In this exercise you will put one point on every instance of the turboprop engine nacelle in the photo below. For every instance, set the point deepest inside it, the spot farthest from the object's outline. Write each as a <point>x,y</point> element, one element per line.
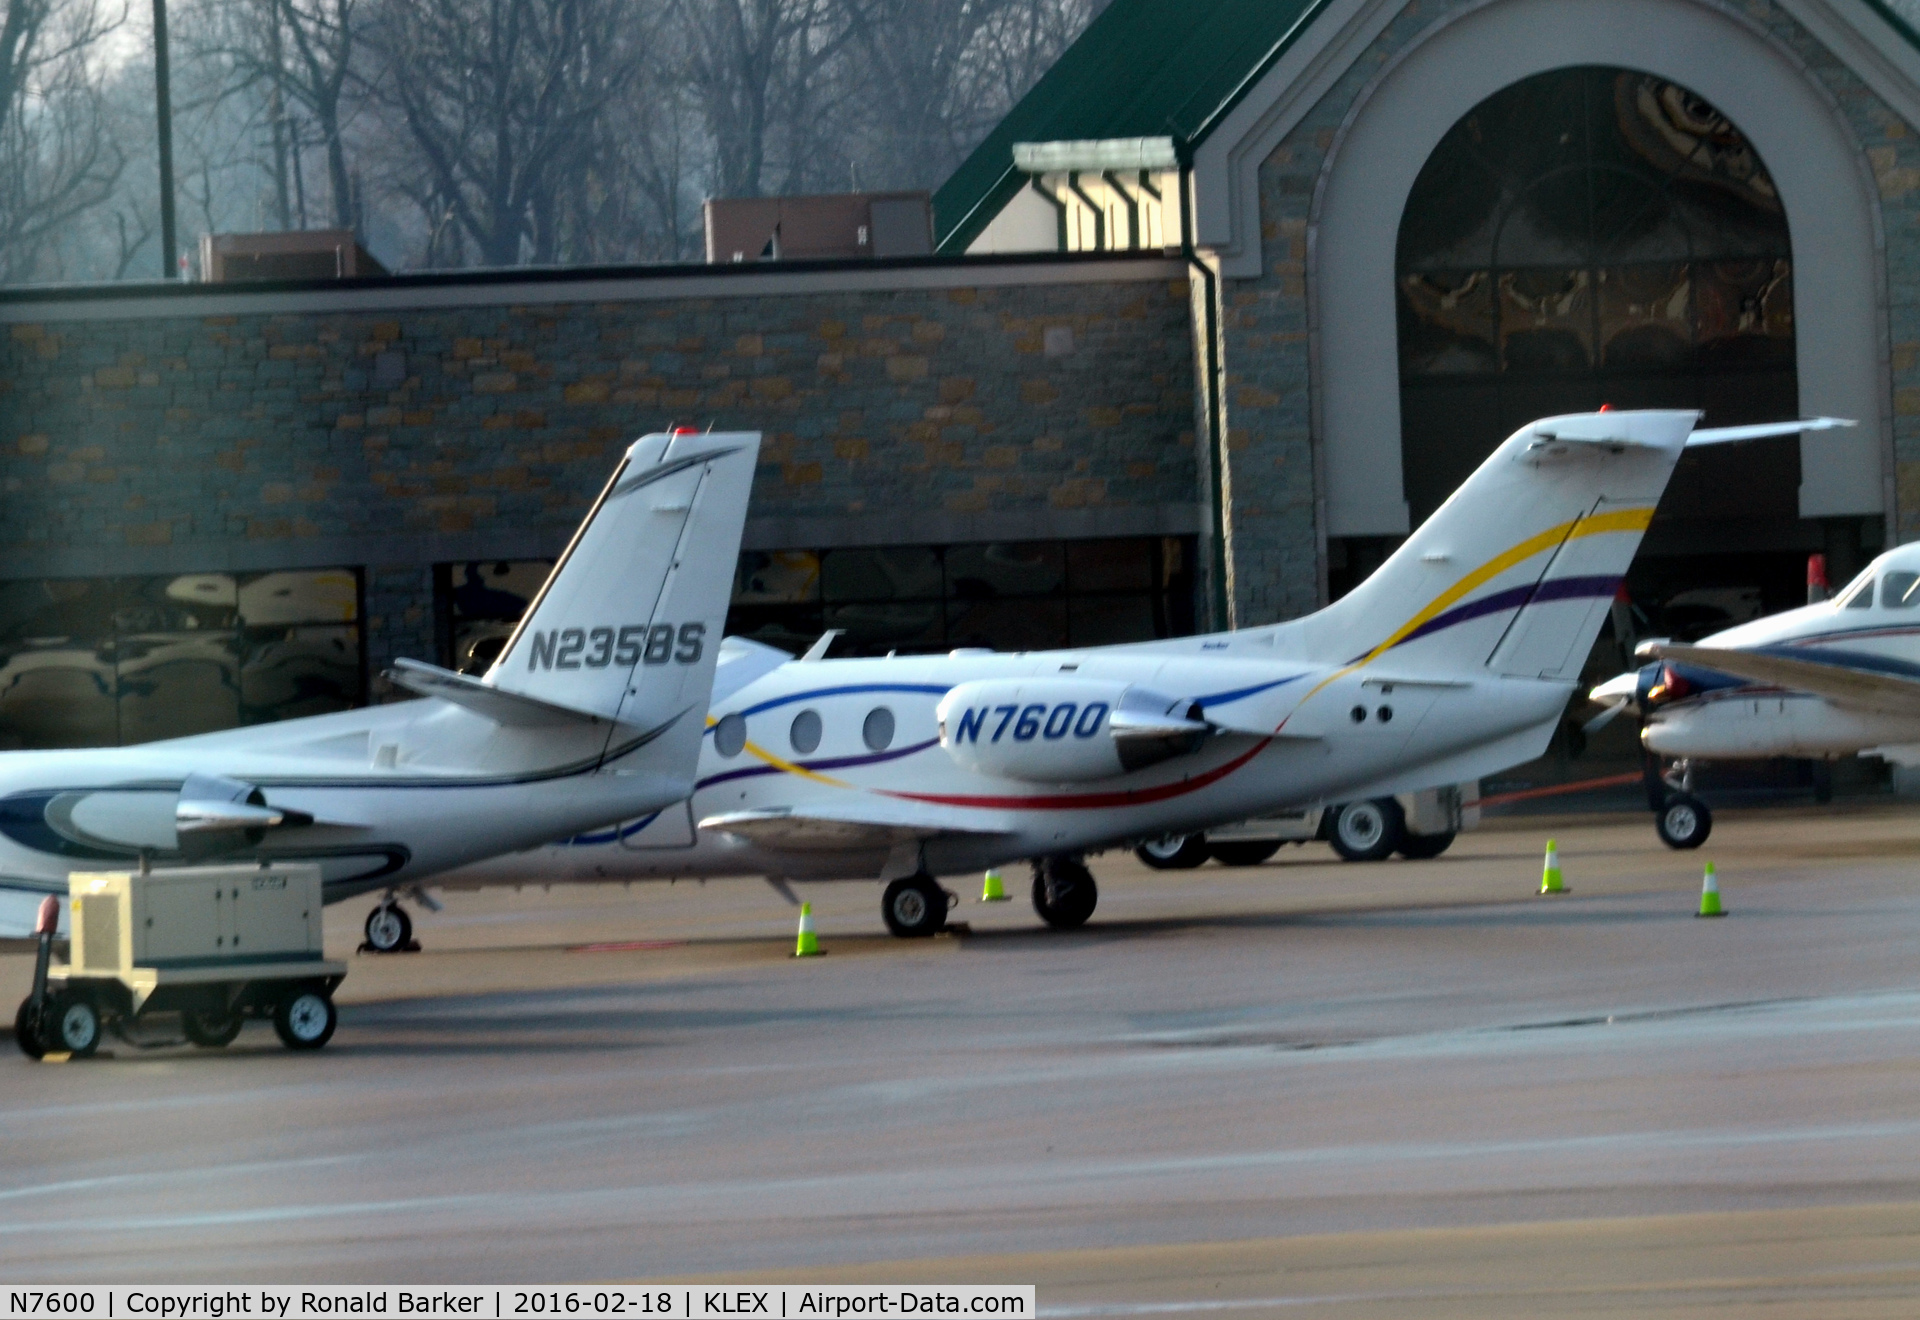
<point>1064,730</point>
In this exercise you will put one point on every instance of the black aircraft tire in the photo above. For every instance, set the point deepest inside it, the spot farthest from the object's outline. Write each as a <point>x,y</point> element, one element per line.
<point>1423,847</point>
<point>1249,853</point>
<point>1367,831</point>
<point>1175,852</point>
<point>389,928</point>
<point>1683,822</point>
<point>1064,893</point>
<point>914,907</point>
<point>210,1031</point>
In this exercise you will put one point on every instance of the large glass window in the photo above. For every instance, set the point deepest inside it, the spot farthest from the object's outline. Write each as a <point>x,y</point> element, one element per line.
<point>1011,596</point>
<point>1593,236</point>
<point>98,662</point>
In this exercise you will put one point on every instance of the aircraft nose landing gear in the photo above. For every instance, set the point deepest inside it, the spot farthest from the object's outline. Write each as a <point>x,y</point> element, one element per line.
<point>390,930</point>
<point>1679,818</point>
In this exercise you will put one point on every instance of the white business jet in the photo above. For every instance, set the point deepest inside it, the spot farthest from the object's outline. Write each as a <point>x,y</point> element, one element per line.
<point>1454,660</point>
<point>1833,679</point>
<point>594,714</point>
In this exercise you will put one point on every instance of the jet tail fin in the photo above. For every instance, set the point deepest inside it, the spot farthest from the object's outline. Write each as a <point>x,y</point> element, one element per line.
<point>1515,572</point>
<point>628,625</point>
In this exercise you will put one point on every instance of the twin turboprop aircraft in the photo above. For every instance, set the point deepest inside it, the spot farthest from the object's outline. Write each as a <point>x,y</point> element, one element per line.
<point>1454,660</point>
<point>593,714</point>
<point>1832,679</point>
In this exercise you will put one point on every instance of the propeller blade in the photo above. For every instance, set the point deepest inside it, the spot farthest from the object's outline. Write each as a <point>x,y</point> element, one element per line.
<point>1604,718</point>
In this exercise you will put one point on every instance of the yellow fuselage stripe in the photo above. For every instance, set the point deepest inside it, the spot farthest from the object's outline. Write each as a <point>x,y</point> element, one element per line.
<point>1614,520</point>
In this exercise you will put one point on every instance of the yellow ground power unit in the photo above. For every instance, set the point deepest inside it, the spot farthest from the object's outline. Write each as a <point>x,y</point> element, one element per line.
<point>206,946</point>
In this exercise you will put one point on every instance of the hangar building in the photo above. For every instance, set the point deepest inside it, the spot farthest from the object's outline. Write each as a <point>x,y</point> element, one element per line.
<point>1229,301</point>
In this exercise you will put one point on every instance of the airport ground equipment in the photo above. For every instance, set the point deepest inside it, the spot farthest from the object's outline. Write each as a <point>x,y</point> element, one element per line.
<point>807,945</point>
<point>1710,895</point>
<point>1550,881</point>
<point>196,949</point>
<point>1415,825</point>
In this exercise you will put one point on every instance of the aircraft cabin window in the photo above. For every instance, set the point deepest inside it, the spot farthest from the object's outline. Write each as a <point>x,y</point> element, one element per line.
<point>805,733</point>
<point>1899,591</point>
<point>730,735</point>
<point>1861,598</point>
<point>878,730</point>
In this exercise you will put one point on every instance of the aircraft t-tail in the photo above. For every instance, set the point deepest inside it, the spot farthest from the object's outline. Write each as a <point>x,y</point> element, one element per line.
<point>1454,660</point>
<point>593,714</point>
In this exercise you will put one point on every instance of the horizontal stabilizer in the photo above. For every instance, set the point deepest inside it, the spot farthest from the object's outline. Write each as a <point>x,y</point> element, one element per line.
<point>743,661</point>
<point>1832,679</point>
<point>1727,435</point>
<point>514,709</point>
<point>869,827</point>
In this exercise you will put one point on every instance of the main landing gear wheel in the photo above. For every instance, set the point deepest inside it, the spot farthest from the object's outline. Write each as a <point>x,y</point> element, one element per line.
<point>1683,822</point>
<point>210,1031</point>
<point>389,929</point>
<point>1063,892</point>
<point>26,1030</point>
<point>915,907</point>
<point>305,1021</point>
<point>1173,852</point>
<point>1420,847</point>
<point>72,1024</point>
<point>1250,853</point>
<point>1368,831</point>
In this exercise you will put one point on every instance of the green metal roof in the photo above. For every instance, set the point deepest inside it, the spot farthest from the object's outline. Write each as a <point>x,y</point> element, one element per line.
<point>1150,68</point>
<point>1144,68</point>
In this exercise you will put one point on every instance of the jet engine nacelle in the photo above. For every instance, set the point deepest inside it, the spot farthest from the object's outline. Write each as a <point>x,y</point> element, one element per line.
<point>214,814</point>
<point>1064,730</point>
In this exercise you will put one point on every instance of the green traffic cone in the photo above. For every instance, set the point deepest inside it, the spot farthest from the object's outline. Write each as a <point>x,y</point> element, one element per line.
<point>1710,895</point>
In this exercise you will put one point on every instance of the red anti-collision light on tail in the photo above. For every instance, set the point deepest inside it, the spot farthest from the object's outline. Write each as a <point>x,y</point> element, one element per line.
<point>49,920</point>
<point>686,430</point>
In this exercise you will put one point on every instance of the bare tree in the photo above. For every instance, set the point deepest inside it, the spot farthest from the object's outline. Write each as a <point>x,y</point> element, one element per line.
<point>58,156</point>
<point>500,99</point>
<point>298,59</point>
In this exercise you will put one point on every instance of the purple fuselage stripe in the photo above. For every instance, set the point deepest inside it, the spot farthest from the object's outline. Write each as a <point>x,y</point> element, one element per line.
<point>1513,598</point>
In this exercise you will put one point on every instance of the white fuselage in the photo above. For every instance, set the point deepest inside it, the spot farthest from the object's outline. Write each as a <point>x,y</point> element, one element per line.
<point>1435,733</point>
<point>397,793</point>
<point>1749,720</point>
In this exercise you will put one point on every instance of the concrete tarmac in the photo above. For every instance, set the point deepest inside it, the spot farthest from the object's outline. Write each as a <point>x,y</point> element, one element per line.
<point>1399,1089</point>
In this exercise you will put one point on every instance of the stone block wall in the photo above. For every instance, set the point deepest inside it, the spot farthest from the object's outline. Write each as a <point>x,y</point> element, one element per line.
<point>221,430</point>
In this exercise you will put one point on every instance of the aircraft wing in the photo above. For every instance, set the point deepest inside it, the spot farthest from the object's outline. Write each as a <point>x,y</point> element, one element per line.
<point>1839,679</point>
<point>866,825</point>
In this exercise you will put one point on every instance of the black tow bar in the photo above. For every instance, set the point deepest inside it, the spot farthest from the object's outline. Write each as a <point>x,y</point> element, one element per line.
<point>44,927</point>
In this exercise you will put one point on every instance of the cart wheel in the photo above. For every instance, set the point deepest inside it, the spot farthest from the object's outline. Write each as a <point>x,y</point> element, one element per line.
<point>26,1030</point>
<point>306,1020</point>
<point>72,1024</point>
<point>211,1031</point>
